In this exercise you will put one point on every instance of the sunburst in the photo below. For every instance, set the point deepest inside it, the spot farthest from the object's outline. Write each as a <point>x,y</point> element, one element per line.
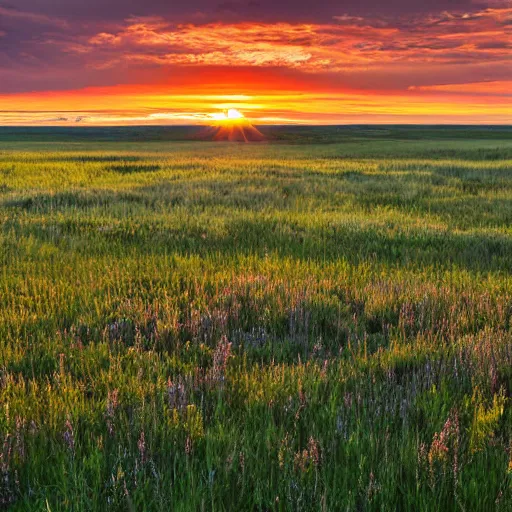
<point>231,125</point>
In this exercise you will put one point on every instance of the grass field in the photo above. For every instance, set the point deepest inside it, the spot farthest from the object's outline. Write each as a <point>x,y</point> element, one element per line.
<point>196,326</point>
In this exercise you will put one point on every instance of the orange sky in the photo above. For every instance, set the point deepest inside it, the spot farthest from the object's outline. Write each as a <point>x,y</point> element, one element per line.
<point>447,67</point>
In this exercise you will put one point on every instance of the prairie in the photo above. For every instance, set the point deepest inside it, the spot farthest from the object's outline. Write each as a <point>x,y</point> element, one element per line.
<point>320,322</point>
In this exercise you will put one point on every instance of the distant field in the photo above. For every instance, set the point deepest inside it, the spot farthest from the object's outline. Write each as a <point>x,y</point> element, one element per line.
<point>288,134</point>
<point>319,322</point>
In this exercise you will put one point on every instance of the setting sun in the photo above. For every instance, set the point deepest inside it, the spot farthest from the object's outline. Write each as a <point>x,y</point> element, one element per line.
<point>233,113</point>
<point>230,115</point>
<point>231,125</point>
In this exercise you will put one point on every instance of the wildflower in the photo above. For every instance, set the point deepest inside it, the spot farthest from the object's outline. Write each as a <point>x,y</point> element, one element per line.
<point>300,461</point>
<point>283,450</point>
<point>314,451</point>
<point>141,444</point>
<point>61,364</point>
<point>112,403</point>
<point>373,487</point>
<point>323,372</point>
<point>318,349</point>
<point>176,395</point>
<point>188,445</point>
<point>220,358</point>
<point>309,457</point>
<point>19,438</point>
<point>438,449</point>
<point>302,395</point>
<point>485,420</point>
<point>69,436</point>
<point>445,447</point>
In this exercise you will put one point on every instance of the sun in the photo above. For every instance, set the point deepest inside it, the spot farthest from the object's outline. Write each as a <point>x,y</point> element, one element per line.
<point>231,125</point>
<point>231,115</point>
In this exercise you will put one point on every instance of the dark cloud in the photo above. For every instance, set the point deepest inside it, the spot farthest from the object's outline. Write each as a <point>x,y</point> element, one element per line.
<point>263,10</point>
<point>494,45</point>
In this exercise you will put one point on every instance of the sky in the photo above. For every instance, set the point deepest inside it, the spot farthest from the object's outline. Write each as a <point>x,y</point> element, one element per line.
<point>135,62</point>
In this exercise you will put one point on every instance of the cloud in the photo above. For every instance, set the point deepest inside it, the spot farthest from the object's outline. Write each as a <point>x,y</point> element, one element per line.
<point>241,10</point>
<point>347,43</point>
<point>495,88</point>
<point>41,19</point>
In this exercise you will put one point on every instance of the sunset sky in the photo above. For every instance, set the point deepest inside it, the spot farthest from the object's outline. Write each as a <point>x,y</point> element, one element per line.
<point>112,62</point>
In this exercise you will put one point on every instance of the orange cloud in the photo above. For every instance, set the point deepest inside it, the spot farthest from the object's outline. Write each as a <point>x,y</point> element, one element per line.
<point>348,43</point>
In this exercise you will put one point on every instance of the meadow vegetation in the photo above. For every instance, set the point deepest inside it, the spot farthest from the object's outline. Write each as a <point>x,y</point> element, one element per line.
<point>214,326</point>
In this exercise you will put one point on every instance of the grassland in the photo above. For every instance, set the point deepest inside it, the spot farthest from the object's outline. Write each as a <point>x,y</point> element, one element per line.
<point>200,326</point>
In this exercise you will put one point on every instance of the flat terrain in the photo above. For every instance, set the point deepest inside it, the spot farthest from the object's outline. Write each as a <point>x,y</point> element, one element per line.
<point>321,322</point>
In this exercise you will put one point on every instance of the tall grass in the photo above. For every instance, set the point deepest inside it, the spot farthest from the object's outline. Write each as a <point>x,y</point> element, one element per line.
<point>279,327</point>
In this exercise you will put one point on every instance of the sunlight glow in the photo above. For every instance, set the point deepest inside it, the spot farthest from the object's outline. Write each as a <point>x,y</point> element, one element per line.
<point>231,114</point>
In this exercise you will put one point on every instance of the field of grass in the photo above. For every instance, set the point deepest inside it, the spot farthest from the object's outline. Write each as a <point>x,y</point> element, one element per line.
<point>196,326</point>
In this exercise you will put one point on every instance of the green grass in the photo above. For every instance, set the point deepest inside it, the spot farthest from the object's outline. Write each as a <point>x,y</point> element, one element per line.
<point>195,326</point>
